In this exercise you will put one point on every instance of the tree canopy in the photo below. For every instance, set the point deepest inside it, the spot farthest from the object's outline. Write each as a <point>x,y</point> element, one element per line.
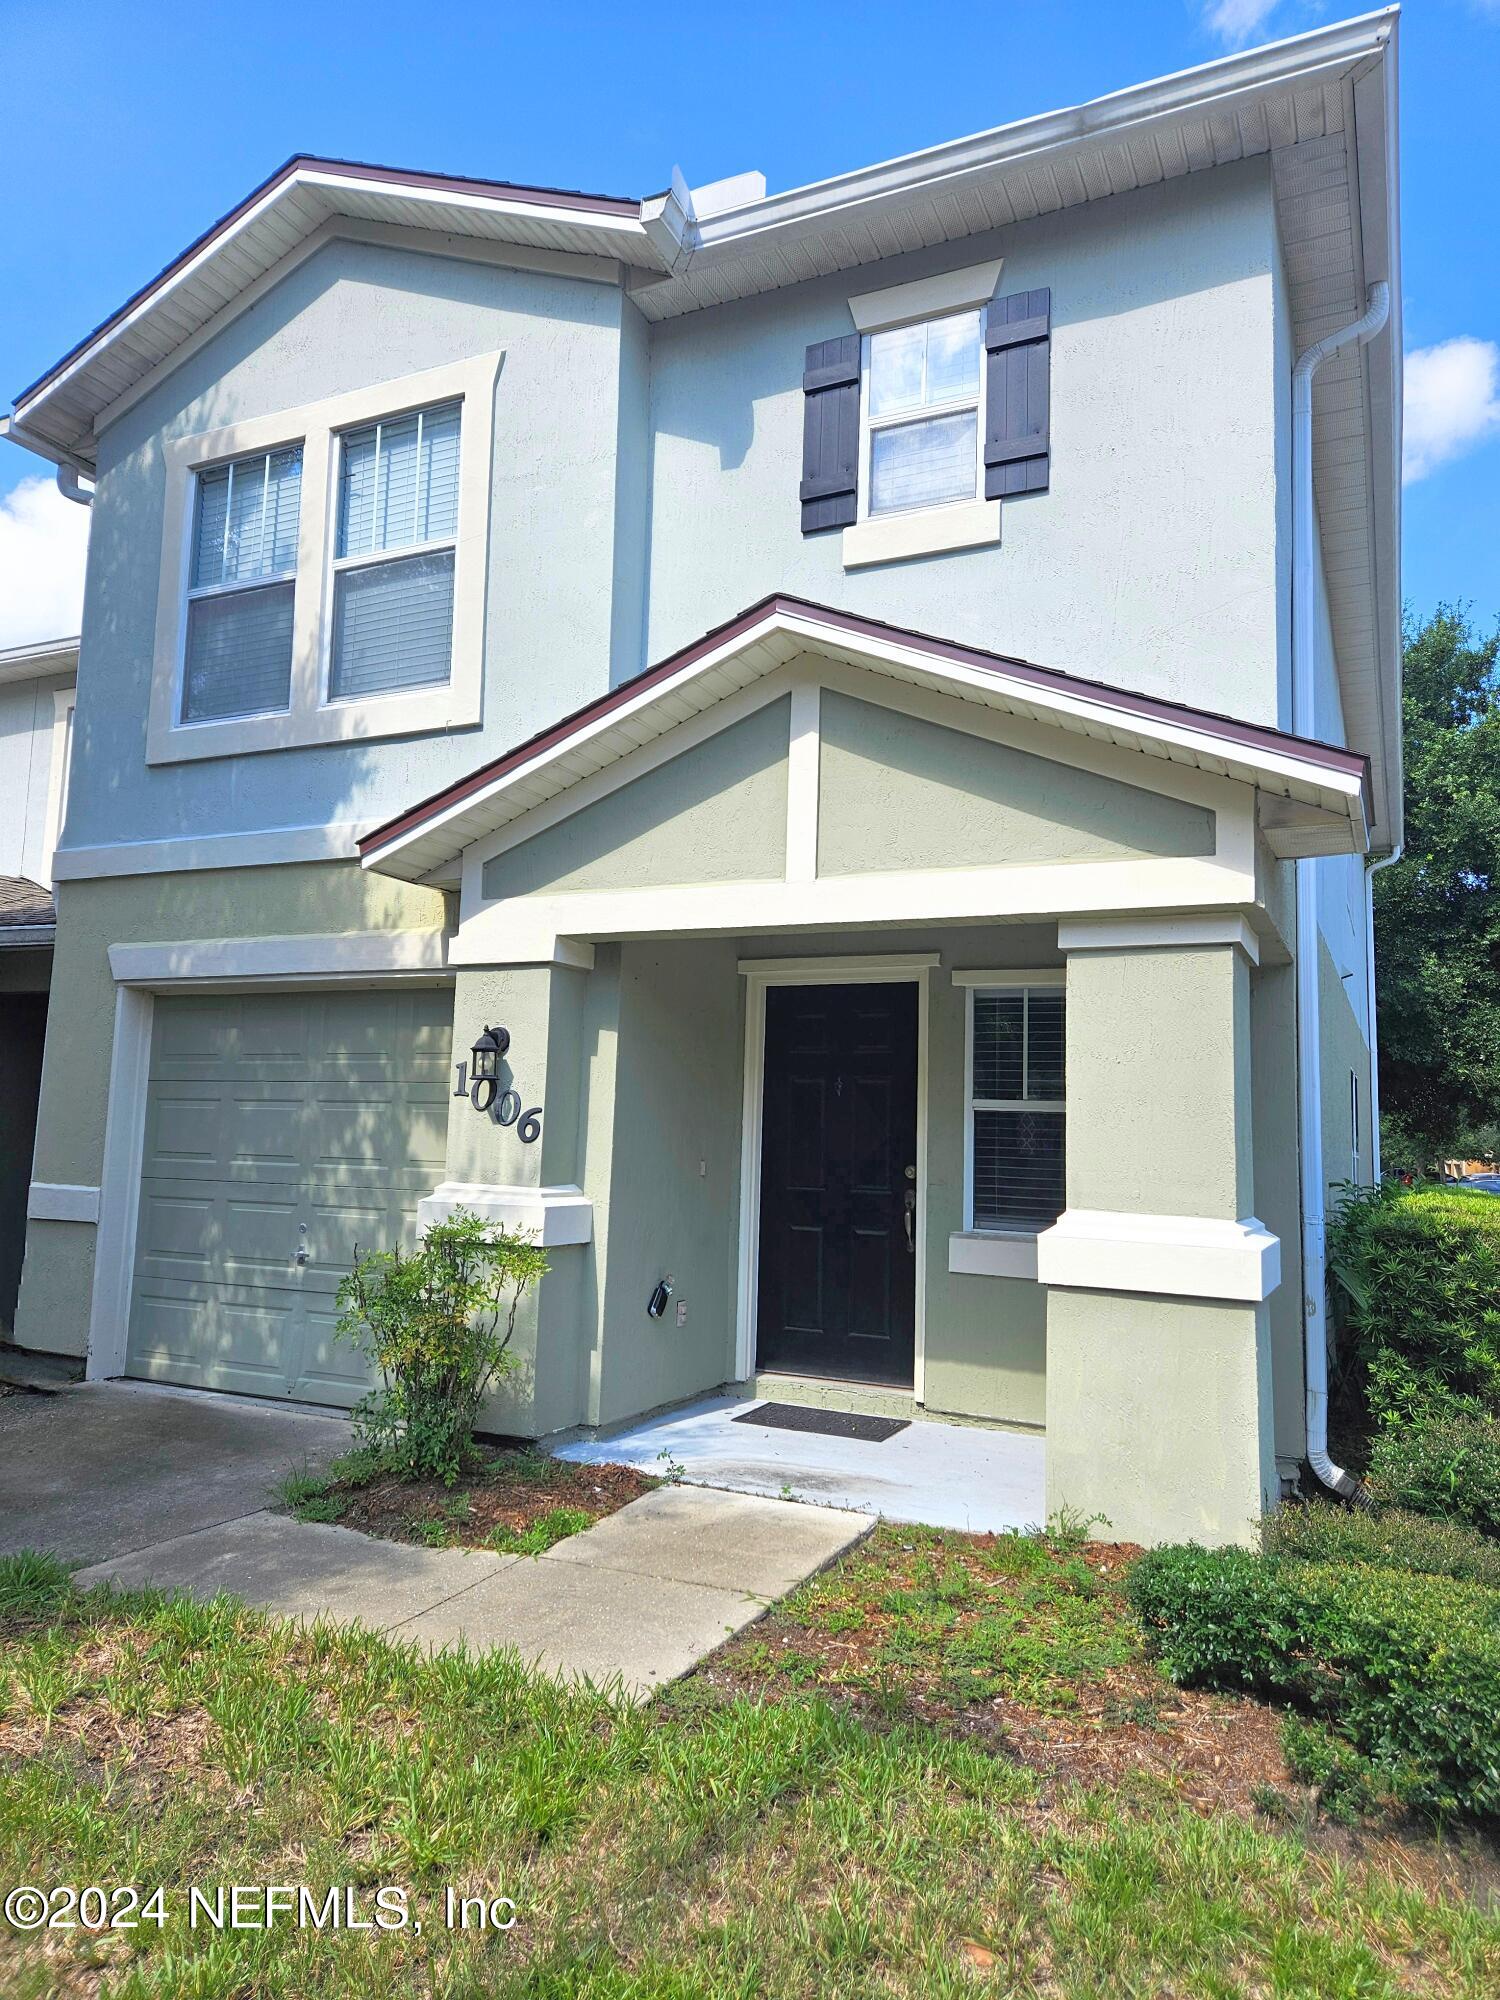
<point>1437,911</point>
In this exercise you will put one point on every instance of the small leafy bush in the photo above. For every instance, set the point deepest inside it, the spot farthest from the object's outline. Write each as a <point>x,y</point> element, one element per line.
<point>1348,1785</point>
<point>438,1323</point>
<point>1417,1284</point>
<point>1406,1668</point>
<point>1322,1532</point>
<point>1444,1466</point>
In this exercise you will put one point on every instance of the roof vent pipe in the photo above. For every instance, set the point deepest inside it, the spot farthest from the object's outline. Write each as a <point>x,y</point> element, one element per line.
<point>1309,1023</point>
<point>69,488</point>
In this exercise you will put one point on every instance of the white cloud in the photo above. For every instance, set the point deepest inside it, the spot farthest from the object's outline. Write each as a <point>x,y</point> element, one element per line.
<point>1237,22</point>
<point>43,538</point>
<point>1452,402</point>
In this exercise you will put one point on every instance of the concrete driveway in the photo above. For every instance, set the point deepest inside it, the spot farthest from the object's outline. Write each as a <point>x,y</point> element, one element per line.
<point>102,1469</point>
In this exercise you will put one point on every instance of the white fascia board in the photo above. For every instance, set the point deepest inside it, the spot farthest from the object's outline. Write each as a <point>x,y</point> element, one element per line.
<point>275,846</point>
<point>329,955</point>
<point>40,662</point>
<point>1196,92</point>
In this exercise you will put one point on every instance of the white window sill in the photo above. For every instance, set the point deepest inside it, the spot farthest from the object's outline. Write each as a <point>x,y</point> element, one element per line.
<point>992,1253</point>
<point>926,531</point>
<point>404,712</point>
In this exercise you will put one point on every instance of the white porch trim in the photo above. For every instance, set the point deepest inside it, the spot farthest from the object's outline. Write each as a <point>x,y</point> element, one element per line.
<point>1186,1256</point>
<point>554,1216</point>
<point>1167,933</point>
<point>61,1201</point>
<point>120,1182</point>
<point>318,955</point>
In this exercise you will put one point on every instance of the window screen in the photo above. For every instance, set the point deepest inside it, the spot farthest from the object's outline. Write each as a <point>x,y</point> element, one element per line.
<point>239,627</point>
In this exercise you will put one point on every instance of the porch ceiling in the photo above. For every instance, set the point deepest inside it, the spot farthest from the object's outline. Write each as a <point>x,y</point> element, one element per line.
<point>1321,785</point>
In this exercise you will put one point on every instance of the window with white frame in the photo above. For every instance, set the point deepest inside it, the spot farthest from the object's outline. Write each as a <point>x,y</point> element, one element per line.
<point>394,555</point>
<point>921,415</point>
<point>1017,1107</point>
<point>241,587</point>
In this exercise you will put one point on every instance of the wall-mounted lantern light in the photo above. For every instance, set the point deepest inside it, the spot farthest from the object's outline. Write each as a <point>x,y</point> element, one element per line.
<point>487,1053</point>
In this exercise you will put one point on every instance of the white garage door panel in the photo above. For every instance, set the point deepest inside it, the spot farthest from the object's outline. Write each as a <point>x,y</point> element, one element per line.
<point>276,1121</point>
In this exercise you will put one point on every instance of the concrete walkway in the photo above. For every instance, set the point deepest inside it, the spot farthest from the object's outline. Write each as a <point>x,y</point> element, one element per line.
<point>637,1599</point>
<point>946,1475</point>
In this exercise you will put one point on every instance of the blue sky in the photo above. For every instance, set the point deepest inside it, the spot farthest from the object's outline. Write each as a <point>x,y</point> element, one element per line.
<point>128,128</point>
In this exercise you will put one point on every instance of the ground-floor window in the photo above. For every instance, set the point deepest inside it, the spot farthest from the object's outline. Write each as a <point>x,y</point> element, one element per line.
<point>1017,1107</point>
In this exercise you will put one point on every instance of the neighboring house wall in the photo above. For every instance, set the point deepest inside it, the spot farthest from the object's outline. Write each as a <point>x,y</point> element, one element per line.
<point>31,718</point>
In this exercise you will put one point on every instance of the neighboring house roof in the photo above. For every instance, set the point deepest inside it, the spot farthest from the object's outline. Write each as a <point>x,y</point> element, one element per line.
<point>425,842</point>
<point>28,914</point>
<point>43,657</point>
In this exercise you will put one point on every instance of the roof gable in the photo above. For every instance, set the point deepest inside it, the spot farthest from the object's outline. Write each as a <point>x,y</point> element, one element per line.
<point>1307,778</point>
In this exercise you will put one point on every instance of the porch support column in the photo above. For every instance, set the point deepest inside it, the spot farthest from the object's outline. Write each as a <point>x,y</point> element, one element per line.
<point>529,1187</point>
<point>1158,1352</point>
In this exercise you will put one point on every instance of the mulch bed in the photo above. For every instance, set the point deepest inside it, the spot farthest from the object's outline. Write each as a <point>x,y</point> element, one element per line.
<point>506,1490</point>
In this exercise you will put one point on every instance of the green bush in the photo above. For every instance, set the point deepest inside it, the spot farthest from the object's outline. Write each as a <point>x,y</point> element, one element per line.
<point>1444,1466</point>
<point>1321,1532</point>
<point>1348,1785</point>
<point>1406,1668</point>
<point>438,1324</point>
<point>1417,1277</point>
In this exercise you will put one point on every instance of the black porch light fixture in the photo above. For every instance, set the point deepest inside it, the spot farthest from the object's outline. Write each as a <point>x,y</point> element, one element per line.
<point>487,1053</point>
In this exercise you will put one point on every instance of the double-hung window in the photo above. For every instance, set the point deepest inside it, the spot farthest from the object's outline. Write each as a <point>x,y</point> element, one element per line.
<point>394,555</point>
<point>922,413</point>
<point>241,587</point>
<point>1016,1107</point>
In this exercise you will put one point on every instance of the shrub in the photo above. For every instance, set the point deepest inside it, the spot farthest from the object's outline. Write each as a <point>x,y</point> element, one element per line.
<point>1347,1783</point>
<point>438,1323</point>
<point>1323,1532</point>
<point>1444,1466</point>
<point>1405,1667</point>
<point>1417,1273</point>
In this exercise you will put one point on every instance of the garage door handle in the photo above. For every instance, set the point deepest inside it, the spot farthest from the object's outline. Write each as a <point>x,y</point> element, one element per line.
<point>302,1243</point>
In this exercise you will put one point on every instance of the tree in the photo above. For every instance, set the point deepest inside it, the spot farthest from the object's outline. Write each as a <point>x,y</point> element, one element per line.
<point>1437,911</point>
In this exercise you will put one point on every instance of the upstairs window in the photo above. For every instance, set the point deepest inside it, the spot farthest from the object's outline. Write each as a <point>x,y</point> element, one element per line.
<point>394,555</point>
<point>239,612</point>
<point>922,414</point>
<point>1016,1107</point>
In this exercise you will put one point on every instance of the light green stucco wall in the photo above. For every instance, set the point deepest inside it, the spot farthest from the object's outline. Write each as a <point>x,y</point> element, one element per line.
<point>1158,1082</point>
<point>56,1281</point>
<point>716,813</point>
<point>896,792</point>
<point>1273,1033</point>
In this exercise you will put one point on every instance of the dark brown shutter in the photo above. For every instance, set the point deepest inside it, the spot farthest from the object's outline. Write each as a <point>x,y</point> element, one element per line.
<point>830,434</point>
<point>1018,355</point>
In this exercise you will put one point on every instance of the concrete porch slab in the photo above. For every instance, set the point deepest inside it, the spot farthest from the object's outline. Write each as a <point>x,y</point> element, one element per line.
<point>303,1570</point>
<point>946,1475</point>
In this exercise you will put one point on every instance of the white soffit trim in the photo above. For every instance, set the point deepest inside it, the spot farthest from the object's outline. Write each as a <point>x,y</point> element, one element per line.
<point>425,844</point>
<point>924,298</point>
<point>334,955</point>
<point>552,1216</point>
<point>1156,933</point>
<point>62,1201</point>
<point>33,663</point>
<point>1184,1256</point>
<point>277,846</point>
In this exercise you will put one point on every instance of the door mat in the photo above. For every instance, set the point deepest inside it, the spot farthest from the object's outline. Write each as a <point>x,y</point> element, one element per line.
<point>825,1423</point>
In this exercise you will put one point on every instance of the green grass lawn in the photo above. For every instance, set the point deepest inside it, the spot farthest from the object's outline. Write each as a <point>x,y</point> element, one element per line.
<point>845,1828</point>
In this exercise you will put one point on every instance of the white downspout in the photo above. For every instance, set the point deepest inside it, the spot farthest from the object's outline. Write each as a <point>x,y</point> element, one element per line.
<point>1309,1023</point>
<point>69,488</point>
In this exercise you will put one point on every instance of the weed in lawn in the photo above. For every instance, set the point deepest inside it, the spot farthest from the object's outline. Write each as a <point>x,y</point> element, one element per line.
<point>544,1533</point>
<point>31,1584</point>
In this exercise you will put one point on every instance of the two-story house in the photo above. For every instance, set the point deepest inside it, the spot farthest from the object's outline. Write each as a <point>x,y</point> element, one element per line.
<point>36,728</point>
<point>819,750</point>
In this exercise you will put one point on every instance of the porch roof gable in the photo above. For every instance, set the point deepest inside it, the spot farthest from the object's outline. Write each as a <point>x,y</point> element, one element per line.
<point>425,842</point>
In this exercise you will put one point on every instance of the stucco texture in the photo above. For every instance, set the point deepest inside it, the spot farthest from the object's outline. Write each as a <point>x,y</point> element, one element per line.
<point>898,792</point>
<point>714,813</point>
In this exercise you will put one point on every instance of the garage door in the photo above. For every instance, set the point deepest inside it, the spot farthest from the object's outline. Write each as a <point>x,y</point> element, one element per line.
<point>279,1123</point>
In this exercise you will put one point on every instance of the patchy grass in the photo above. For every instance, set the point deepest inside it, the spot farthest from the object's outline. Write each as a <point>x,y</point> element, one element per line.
<point>715,1844</point>
<point>515,1502</point>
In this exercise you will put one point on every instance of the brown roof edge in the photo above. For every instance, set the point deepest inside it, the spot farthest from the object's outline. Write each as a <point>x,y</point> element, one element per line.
<point>599,204</point>
<point>1247,734</point>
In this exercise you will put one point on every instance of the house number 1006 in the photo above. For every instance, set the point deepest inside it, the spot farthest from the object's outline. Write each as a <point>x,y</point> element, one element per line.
<point>504,1106</point>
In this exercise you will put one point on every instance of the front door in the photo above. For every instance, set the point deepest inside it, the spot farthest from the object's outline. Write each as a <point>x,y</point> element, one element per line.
<point>838,1183</point>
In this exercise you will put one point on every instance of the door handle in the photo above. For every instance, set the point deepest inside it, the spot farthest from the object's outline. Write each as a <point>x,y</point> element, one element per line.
<point>301,1257</point>
<point>908,1214</point>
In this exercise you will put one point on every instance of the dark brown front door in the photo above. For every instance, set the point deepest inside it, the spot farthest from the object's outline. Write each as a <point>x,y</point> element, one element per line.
<point>838,1182</point>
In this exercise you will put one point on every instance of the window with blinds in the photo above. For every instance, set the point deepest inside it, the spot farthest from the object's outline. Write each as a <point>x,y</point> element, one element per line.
<point>240,589</point>
<point>1017,1105</point>
<point>394,555</point>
